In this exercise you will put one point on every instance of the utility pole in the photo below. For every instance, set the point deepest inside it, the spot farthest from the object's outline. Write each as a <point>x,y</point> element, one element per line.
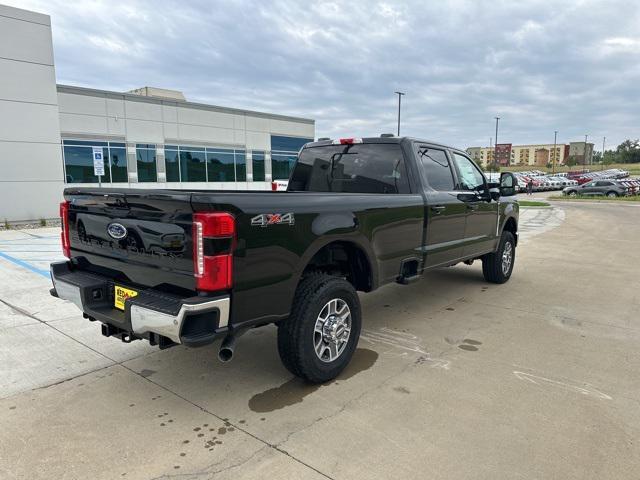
<point>400,94</point>
<point>602,160</point>
<point>555,156</point>
<point>584,152</point>
<point>495,146</point>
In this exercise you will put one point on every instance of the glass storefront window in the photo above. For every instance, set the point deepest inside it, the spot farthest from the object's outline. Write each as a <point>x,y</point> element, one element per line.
<point>220,165</point>
<point>192,165</point>
<point>288,144</point>
<point>284,152</point>
<point>282,164</point>
<point>258,165</point>
<point>241,166</point>
<point>171,163</point>
<point>147,163</point>
<point>78,161</point>
<point>118,159</point>
<point>183,163</point>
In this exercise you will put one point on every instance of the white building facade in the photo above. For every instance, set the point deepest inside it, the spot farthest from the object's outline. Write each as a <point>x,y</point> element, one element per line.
<point>150,138</point>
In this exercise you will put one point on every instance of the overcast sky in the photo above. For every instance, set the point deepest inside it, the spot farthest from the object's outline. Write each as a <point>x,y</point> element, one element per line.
<point>539,65</point>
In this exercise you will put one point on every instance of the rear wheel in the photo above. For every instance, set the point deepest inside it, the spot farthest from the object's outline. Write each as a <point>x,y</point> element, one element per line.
<point>318,340</point>
<point>497,266</point>
<point>612,194</point>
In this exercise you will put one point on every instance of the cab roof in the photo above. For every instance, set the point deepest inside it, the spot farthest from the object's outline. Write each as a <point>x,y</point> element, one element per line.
<point>381,139</point>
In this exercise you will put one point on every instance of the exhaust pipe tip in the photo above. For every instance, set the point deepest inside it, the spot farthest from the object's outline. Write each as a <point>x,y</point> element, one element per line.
<point>225,354</point>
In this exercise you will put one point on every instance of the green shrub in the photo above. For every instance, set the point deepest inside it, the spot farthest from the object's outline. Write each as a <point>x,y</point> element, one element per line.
<point>532,203</point>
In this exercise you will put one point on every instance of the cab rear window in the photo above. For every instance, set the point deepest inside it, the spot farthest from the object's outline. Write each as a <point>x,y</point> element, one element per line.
<point>356,168</point>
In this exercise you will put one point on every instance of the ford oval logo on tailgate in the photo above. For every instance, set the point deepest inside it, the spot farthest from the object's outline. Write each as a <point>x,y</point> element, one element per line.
<point>117,231</point>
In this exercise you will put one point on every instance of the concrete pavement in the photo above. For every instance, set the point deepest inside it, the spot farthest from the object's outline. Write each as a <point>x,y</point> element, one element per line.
<point>453,378</point>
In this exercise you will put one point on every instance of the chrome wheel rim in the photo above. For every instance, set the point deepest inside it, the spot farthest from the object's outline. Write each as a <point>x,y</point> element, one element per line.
<point>507,257</point>
<point>611,195</point>
<point>332,330</point>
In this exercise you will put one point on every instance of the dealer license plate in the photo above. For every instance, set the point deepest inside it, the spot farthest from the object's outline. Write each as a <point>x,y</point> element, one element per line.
<point>121,294</point>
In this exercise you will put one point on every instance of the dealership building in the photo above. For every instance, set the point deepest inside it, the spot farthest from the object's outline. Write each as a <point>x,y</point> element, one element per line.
<point>149,137</point>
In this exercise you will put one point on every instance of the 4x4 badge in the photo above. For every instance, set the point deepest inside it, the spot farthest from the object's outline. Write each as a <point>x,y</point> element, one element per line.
<point>266,219</point>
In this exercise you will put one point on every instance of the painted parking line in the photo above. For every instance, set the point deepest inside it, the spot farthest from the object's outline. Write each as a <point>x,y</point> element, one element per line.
<point>33,252</point>
<point>23,264</point>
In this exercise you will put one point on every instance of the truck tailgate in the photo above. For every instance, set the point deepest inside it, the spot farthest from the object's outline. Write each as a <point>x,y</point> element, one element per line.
<point>138,237</point>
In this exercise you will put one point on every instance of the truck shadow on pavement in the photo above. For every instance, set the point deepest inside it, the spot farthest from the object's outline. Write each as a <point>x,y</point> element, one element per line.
<point>394,326</point>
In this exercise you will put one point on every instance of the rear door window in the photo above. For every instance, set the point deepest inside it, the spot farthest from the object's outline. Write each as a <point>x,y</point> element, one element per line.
<point>356,168</point>
<point>435,168</point>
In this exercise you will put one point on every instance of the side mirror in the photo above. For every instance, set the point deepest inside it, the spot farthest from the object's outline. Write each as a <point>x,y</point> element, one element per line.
<point>508,184</point>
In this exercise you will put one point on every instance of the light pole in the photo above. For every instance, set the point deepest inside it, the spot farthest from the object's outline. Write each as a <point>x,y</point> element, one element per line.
<point>495,147</point>
<point>602,160</point>
<point>553,160</point>
<point>400,94</point>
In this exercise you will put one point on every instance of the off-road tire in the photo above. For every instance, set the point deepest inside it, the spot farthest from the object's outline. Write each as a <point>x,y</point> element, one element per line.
<point>492,262</point>
<point>296,333</point>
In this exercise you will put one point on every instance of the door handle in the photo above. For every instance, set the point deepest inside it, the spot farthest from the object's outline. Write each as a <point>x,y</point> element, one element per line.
<point>438,209</point>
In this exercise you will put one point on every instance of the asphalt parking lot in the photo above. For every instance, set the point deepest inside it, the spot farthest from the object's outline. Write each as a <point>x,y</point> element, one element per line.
<point>453,378</point>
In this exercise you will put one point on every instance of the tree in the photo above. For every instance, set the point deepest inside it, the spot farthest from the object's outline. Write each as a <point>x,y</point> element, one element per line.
<point>610,157</point>
<point>597,157</point>
<point>629,151</point>
<point>571,161</point>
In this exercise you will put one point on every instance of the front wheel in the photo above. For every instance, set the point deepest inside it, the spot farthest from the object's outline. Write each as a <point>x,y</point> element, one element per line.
<point>573,193</point>
<point>497,266</point>
<point>612,194</point>
<point>318,340</point>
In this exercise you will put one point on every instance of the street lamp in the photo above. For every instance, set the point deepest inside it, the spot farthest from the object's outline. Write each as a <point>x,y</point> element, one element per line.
<point>602,159</point>
<point>495,147</point>
<point>400,94</point>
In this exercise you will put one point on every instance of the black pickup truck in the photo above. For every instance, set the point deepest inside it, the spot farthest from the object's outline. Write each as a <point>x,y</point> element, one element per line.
<point>191,266</point>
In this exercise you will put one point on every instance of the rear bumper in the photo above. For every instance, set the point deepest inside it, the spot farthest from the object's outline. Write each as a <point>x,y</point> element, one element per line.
<point>157,316</point>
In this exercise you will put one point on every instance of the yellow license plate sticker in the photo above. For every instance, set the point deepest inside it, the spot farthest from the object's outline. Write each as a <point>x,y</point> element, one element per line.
<point>121,295</point>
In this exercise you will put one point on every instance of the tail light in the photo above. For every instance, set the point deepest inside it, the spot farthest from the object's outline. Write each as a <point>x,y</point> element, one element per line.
<point>64,234</point>
<point>213,239</point>
<point>274,186</point>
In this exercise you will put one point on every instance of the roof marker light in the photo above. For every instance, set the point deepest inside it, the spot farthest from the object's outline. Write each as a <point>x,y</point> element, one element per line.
<point>347,141</point>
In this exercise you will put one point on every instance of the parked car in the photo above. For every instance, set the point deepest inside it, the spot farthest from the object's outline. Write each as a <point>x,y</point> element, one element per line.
<point>557,183</point>
<point>279,185</point>
<point>607,188</point>
<point>357,214</point>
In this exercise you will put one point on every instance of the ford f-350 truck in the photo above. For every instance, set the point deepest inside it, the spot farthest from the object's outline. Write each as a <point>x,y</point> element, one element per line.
<point>192,266</point>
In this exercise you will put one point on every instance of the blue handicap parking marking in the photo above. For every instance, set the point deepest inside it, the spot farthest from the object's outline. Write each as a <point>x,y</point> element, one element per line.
<point>23,264</point>
<point>33,253</point>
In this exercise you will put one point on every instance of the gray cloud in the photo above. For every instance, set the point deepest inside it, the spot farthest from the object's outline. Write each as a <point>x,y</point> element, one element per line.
<point>539,65</point>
